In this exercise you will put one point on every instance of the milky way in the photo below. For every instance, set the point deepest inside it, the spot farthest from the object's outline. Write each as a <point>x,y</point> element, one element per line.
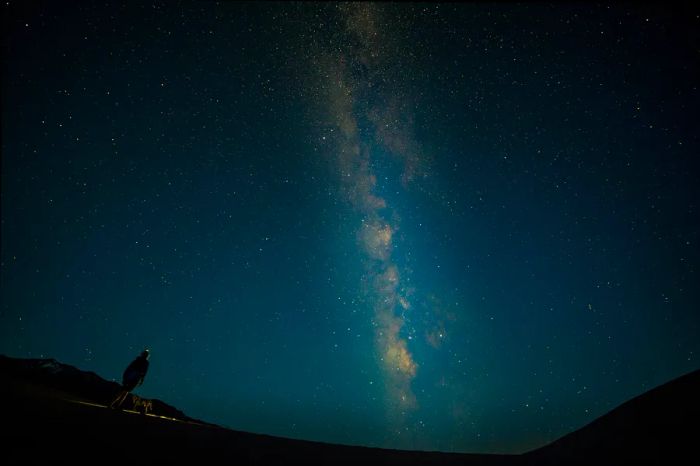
<point>442,226</point>
<point>352,107</point>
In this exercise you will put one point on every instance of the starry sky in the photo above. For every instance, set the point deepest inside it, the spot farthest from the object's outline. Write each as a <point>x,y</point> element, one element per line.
<point>467,228</point>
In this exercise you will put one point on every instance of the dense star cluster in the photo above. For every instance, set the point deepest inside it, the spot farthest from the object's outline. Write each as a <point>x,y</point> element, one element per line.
<point>451,227</point>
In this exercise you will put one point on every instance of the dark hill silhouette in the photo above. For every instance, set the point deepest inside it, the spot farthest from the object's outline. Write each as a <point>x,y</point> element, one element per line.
<point>661,426</point>
<point>76,384</point>
<point>42,425</point>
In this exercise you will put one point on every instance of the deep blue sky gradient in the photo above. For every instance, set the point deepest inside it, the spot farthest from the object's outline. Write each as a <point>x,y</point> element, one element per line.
<point>166,184</point>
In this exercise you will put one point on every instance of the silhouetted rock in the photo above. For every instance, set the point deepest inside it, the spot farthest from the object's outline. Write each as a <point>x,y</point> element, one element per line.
<point>79,385</point>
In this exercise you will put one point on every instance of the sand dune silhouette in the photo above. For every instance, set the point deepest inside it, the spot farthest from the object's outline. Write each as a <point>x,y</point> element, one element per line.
<point>56,412</point>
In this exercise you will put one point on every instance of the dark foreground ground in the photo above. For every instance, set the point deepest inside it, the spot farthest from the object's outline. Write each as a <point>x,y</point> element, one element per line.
<point>54,415</point>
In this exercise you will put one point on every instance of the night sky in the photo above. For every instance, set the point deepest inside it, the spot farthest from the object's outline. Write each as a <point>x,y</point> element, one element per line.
<point>451,227</point>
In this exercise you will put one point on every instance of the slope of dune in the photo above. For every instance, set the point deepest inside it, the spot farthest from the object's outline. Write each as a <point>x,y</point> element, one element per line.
<point>661,426</point>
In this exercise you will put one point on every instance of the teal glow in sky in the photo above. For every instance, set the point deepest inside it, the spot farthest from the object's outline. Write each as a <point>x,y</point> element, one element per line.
<point>466,228</point>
